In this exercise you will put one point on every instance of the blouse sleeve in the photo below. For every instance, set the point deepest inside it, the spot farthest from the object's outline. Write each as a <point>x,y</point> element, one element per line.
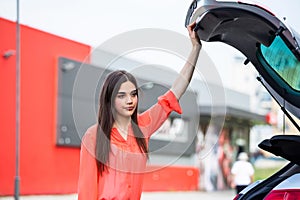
<point>87,182</point>
<point>154,117</point>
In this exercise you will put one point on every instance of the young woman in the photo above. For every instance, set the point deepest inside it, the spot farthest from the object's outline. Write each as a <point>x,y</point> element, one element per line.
<point>114,151</point>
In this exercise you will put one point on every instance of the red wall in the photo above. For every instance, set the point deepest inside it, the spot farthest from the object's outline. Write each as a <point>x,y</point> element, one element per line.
<point>44,167</point>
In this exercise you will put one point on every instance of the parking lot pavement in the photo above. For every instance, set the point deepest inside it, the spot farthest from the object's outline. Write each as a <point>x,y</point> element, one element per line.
<point>216,195</point>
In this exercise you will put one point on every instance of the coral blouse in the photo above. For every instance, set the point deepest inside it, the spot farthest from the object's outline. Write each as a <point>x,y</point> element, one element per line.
<point>124,178</point>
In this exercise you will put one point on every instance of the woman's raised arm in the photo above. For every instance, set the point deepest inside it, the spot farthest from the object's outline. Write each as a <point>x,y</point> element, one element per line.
<point>182,81</point>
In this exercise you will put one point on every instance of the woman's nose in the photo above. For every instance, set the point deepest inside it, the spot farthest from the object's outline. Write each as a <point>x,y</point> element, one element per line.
<point>129,100</point>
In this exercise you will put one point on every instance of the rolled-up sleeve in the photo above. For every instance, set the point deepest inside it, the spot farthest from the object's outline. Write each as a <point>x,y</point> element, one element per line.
<point>169,103</point>
<point>154,117</point>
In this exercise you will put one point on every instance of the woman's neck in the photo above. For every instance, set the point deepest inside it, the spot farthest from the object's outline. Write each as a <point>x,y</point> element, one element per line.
<point>123,122</point>
<point>122,125</point>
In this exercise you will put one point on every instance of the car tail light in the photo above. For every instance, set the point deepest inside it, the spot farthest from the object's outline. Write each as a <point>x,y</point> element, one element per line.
<point>236,197</point>
<point>286,194</point>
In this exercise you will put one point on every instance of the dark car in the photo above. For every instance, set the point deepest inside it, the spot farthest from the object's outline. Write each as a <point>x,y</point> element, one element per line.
<point>273,49</point>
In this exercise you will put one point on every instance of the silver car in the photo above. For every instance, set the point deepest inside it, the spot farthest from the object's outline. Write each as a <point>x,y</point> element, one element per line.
<point>273,49</point>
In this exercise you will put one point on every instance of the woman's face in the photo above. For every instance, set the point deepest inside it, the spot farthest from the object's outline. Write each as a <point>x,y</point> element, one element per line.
<point>126,100</point>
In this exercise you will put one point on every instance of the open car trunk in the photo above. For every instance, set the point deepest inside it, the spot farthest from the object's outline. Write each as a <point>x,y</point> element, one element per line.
<point>251,29</point>
<point>274,51</point>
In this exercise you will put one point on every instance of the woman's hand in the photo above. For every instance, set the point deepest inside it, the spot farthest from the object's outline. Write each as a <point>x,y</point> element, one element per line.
<point>193,35</point>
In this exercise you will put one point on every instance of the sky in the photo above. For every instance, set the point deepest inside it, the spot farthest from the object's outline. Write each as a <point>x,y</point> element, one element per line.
<point>93,22</point>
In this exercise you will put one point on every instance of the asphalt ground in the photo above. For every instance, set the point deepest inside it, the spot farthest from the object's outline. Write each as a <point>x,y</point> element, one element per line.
<point>215,195</point>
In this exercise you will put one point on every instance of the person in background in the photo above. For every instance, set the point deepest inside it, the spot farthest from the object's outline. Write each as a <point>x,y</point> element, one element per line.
<point>242,172</point>
<point>114,151</point>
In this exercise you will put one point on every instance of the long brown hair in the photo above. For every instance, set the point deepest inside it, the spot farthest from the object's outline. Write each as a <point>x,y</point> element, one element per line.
<point>106,119</point>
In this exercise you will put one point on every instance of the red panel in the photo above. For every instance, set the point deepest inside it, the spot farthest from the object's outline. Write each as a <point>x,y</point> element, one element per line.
<point>171,178</point>
<point>7,108</point>
<point>45,168</point>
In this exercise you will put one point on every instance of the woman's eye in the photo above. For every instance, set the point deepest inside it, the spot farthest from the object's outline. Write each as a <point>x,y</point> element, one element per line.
<point>134,94</point>
<point>121,96</point>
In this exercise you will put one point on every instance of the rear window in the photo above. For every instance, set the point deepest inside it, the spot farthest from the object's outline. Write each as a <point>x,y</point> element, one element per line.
<point>280,58</point>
